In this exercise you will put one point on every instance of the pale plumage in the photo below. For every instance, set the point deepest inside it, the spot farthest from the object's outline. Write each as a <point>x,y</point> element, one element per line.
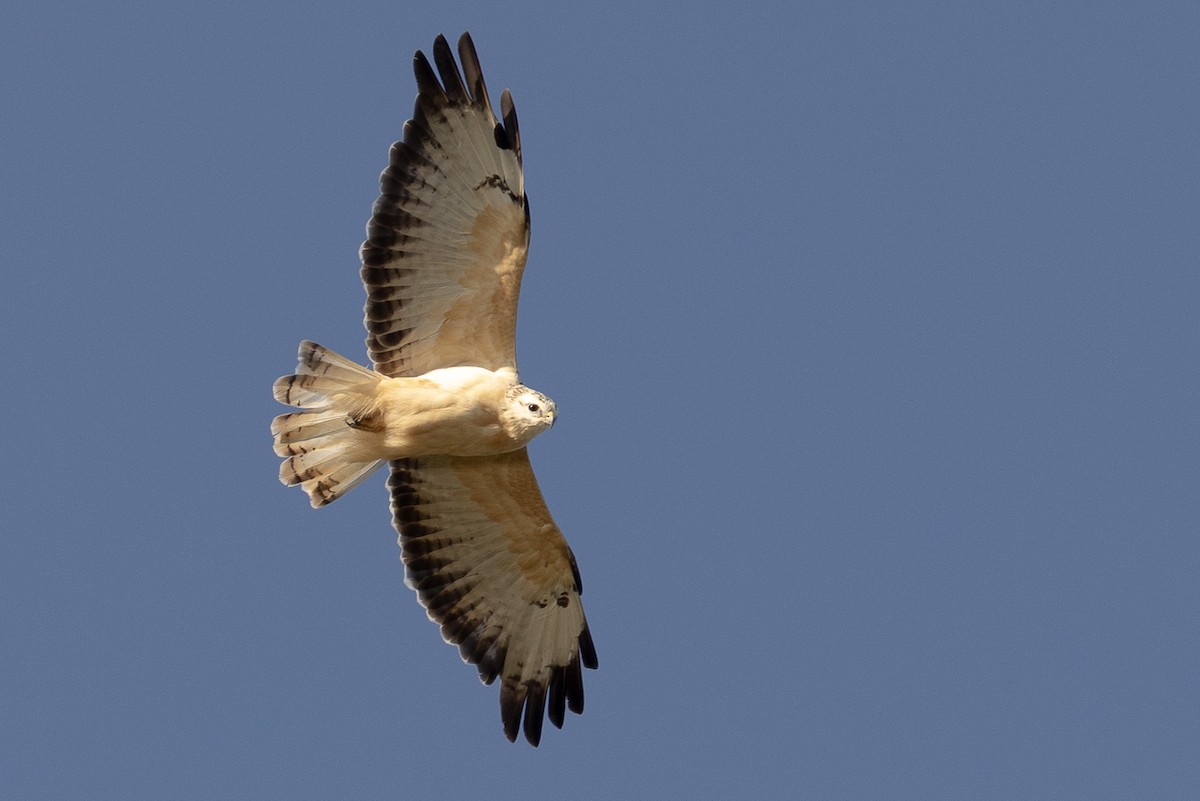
<point>442,265</point>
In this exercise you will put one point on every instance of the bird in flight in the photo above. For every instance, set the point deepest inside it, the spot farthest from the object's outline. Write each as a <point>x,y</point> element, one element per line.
<point>444,406</point>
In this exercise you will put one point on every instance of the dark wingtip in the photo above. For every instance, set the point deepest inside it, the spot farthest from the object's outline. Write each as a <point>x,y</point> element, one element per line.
<point>535,712</point>
<point>512,129</point>
<point>427,82</point>
<point>452,80</point>
<point>587,649</point>
<point>510,711</point>
<point>558,696</point>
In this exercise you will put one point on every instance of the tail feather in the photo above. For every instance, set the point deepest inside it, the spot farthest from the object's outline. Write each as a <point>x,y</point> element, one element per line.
<point>292,429</point>
<point>322,451</point>
<point>320,372</point>
<point>326,474</point>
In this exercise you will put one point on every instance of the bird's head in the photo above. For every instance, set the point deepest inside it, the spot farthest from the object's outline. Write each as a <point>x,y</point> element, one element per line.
<point>527,413</point>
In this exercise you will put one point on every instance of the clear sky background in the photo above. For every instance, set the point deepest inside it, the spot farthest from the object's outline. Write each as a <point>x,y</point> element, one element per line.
<point>873,328</point>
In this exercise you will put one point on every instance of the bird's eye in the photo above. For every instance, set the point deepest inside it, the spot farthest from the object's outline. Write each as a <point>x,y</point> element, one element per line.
<point>533,407</point>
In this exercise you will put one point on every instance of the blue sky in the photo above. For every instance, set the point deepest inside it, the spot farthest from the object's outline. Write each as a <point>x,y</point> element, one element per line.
<point>872,326</point>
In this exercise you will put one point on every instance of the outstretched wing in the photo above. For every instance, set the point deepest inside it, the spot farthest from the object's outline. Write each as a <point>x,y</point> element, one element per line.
<point>493,570</point>
<point>448,236</point>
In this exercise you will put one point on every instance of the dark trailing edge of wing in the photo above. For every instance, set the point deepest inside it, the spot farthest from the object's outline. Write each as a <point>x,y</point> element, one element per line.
<point>439,589</point>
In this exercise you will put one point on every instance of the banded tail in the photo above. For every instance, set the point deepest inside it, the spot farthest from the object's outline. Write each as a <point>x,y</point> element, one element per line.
<point>322,449</point>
